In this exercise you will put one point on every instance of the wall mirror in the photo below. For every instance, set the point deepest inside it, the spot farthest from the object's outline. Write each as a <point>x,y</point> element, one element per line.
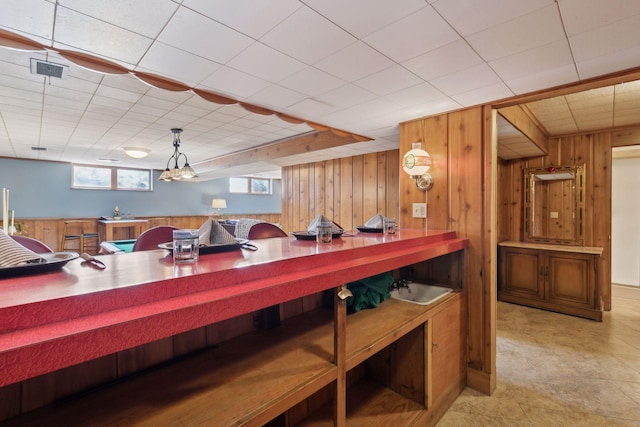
<point>554,203</point>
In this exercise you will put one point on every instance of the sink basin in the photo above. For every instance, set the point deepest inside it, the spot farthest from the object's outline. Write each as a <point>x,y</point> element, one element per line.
<point>420,293</point>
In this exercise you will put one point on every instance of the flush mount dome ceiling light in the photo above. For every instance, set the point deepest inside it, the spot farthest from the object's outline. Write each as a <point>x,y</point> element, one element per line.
<point>177,173</point>
<point>136,152</point>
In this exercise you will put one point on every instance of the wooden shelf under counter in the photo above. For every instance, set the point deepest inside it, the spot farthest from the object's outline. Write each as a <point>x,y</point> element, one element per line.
<point>254,378</point>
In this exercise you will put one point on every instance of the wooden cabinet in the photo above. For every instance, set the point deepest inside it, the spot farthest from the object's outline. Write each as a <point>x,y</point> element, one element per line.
<point>557,278</point>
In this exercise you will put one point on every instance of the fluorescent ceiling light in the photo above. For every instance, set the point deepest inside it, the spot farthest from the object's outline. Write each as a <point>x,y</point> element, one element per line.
<point>136,152</point>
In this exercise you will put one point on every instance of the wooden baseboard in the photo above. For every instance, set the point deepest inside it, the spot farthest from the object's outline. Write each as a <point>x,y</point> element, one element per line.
<point>625,291</point>
<point>481,381</point>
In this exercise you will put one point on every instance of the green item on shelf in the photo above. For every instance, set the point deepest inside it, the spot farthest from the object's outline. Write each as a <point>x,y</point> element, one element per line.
<point>367,293</point>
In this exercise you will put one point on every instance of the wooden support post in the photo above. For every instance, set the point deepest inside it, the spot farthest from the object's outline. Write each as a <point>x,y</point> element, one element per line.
<point>339,353</point>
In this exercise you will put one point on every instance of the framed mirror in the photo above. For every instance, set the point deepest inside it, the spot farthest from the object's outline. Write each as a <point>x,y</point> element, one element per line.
<point>553,205</point>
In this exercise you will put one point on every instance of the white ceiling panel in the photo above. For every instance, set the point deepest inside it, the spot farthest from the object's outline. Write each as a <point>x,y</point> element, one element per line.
<point>354,62</point>
<point>312,82</point>
<point>246,16</point>
<point>197,34</point>
<point>548,57</point>
<point>428,31</point>
<point>106,40</point>
<point>548,78</point>
<point>34,17</point>
<point>466,80</point>
<point>235,83</point>
<point>526,32</point>
<point>363,17</point>
<point>266,63</point>
<point>580,16</point>
<point>185,67</point>
<point>471,17</point>
<point>392,79</point>
<point>307,36</point>
<point>607,39</point>
<point>451,58</point>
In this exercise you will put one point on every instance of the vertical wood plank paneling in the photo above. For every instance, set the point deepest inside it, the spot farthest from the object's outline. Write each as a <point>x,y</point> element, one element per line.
<point>304,202</point>
<point>357,195</point>
<point>383,188</point>
<point>370,186</point>
<point>391,186</point>
<point>602,214</point>
<point>583,151</point>
<point>321,191</point>
<point>437,137</point>
<point>346,193</point>
<point>332,180</point>
<point>466,211</point>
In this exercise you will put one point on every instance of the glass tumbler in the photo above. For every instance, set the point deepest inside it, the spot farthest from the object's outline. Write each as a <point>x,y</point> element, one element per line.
<point>389,225</point>
<point>185,246</point>
<point>325,233</point>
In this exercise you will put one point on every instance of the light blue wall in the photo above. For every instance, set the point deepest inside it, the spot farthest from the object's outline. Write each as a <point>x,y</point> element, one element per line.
<point>41,189</point>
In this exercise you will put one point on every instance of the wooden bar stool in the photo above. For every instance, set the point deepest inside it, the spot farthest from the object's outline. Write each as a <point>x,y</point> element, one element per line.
<point>79,235</point>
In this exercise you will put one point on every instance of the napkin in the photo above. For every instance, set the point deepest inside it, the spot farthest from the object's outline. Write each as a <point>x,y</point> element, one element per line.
<point>313,227</point>
<point>375,221</point>
<point>213,233</point>
<point>13,253</point>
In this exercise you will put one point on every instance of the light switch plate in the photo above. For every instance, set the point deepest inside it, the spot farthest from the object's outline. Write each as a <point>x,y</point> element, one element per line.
<point>419,210</point>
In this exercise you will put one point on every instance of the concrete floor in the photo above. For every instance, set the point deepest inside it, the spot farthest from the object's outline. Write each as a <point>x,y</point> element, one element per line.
<point>559,370</point>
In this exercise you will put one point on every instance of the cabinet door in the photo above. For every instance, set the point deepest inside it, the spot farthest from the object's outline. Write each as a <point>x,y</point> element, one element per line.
<point>522,273</point>
<point>448,363</point>
<point>571,280</point>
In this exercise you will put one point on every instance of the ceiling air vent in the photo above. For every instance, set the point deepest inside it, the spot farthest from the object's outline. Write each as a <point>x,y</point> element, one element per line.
<point>48,69</point>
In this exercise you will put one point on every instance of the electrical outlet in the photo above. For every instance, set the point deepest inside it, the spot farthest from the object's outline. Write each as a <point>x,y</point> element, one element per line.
<point>419,210</point>
<point>554,214</point>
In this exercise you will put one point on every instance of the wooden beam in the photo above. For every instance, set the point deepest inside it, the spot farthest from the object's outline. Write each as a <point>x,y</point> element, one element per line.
<point>306,143</point>
<point>522,121</point>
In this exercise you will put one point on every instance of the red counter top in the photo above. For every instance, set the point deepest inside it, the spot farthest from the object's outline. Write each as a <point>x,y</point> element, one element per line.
<point>78,313</point>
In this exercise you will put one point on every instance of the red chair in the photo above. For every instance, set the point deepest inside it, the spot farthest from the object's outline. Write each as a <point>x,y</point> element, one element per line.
<point>151,238</point>
<point>265,230</point>
<point>35,245</point>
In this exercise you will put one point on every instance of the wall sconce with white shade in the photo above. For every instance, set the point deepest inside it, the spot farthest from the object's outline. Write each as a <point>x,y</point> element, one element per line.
<point>416,163</point>
<point>177,173</point>
<point>218,204</point>
<point>136,152</point>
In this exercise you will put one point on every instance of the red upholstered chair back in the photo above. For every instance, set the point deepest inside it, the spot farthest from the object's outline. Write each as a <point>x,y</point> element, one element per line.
<point>151,238</point>
<point>265,230</point>
<point>35,245</point>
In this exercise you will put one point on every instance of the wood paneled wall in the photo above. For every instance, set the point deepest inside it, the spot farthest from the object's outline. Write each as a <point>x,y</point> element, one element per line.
<point>348,191</point>
<point>49,230</point>
<point>593,150</point>
<point>460,146</point>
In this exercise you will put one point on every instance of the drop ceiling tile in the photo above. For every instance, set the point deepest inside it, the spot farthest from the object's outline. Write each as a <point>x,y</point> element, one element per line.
<point>413,35</point>
<point>392,79</point>
<point>311,81</point>
<point>346,96</point>
<point>246,16</point>
<point>119,94</point>
<point>415,95</point>
<point>265,62</point>
<point>539,59</point>
<point>168,61</point>
<point>308,36</point>
<point>547,78</point>
<point>202,36</point>
<point>235,83</point>
<point>581,16</point>
<point>466,80</point>
<point>33,17</point>
<point>483,94</point>
<point>526,32</point>
<point>86,33</point>
<point>312,108</point>
<point>607,39</point>
<point>354,62</point>
<point>276,96</point>
<point>619,60</point>
<point>435,107</point>
<point>363,17</point>
<point>145,17</point>
<point>470,16</point>
<point>450,58</point>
